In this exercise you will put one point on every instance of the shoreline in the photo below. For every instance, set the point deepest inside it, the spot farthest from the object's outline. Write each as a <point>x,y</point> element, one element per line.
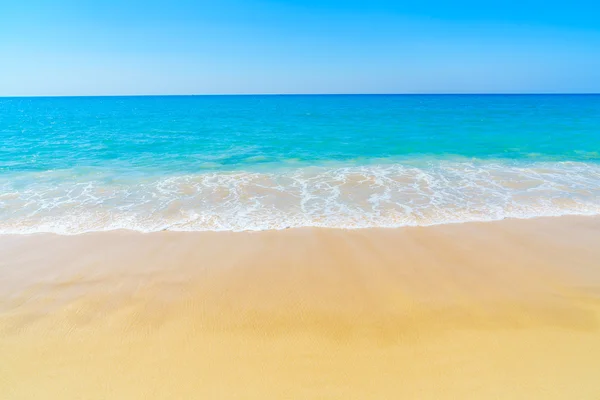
<point>306,227</point>
<point>361,196</point>
<point>505,309</point>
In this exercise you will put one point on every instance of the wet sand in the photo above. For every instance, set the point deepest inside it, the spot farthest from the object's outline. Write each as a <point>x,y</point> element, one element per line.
<point>500,310</point>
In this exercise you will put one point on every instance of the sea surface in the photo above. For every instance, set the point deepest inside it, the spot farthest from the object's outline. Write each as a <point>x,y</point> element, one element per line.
<point>235,163</point>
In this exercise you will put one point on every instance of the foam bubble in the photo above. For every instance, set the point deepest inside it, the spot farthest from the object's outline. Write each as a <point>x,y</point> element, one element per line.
<point>392,195</point>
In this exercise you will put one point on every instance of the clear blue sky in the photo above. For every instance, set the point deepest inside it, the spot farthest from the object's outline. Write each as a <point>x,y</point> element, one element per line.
<point>97,47</point>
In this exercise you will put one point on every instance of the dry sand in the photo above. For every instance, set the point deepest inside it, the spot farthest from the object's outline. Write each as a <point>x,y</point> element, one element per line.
<point>502,310</point>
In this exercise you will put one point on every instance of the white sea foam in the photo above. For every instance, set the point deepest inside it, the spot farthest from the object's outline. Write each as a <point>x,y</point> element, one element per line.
<point>351,197</point>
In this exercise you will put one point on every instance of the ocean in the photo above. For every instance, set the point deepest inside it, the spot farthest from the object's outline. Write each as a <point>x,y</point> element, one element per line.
<point>234,163</point>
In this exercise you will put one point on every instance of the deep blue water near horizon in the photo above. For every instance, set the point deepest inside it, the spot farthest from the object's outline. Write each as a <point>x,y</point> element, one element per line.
<point>77,164</point>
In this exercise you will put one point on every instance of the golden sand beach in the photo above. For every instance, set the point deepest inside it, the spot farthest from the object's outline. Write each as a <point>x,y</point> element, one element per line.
<point>498,310</point>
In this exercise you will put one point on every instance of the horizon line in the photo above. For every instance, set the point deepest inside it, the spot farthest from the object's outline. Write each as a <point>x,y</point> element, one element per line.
<point>308,94</point>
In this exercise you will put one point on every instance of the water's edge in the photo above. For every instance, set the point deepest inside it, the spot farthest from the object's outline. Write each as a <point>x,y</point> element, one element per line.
<point>374,196</point>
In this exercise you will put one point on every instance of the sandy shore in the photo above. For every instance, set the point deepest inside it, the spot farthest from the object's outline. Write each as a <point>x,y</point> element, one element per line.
<point>502,310</point>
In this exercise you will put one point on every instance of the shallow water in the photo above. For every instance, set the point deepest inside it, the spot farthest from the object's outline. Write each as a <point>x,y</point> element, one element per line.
<point>71,165</point>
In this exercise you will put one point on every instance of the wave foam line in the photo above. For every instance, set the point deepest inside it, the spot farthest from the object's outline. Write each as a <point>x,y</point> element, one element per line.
<point>353,197</point>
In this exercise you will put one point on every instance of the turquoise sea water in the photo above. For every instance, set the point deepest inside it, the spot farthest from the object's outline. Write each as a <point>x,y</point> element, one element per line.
<point>72,165</point>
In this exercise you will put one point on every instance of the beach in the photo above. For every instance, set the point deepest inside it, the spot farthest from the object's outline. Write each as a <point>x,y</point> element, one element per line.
<point>255,200</point>
<point>507,309</point>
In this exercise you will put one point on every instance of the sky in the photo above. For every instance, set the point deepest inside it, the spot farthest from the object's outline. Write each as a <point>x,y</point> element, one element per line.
<point>121,47</point>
